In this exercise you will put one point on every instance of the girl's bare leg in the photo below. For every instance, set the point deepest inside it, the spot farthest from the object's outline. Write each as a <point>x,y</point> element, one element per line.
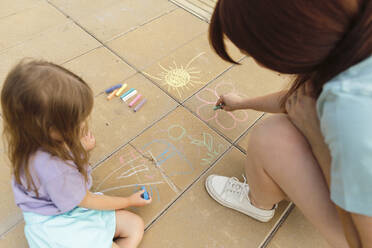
<point>281,165</point>
<point>129,229</point>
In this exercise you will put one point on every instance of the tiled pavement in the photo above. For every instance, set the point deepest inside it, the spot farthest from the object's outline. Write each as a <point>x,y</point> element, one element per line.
<point>141,43</point>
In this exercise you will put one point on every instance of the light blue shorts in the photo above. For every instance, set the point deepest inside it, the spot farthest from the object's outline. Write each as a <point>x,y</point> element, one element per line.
<point>80,227</point>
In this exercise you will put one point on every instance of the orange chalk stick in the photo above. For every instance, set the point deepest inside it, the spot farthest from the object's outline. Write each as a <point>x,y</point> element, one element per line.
<point>112,94</point>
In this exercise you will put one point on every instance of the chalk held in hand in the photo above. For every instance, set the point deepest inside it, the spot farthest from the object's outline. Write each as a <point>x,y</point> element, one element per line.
<point>109,90</point>
<point>112,94</point>
<point>122,88</point>
<point>218,107</point>
<point>135,100</point>
<point>127,97</point>
<point>145,195</point>
<point>139,105</point>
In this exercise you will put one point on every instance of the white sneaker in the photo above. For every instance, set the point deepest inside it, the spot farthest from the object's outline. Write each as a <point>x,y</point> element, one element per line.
<point>231,193</point>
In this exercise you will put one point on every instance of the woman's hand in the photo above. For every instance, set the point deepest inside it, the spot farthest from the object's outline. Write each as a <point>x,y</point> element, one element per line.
<point>136,199</point>
<point>269,103</point>
<point>230,102</point>
<point>88,141</point>
<point>301,109</point>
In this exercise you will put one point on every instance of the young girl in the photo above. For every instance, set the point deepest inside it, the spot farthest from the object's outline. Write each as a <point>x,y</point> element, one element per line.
<point>45,110</point>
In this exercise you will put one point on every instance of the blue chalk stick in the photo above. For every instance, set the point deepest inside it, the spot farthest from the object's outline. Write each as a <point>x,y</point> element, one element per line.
<point>109,90</point>
<point>145,195</point>
<point>126,93</point>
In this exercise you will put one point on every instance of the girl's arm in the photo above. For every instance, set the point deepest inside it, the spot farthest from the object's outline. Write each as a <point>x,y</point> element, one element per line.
<point>105,202</point>
<point>268,103</point>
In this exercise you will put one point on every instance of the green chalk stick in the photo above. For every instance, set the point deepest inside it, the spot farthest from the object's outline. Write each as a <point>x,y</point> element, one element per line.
<point>217,107</point>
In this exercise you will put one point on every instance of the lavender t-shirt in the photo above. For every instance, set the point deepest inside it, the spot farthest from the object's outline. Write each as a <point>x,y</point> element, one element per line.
<point>60,185</point>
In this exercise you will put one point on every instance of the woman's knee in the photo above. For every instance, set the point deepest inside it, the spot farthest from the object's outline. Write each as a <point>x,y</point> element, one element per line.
<point>274,133</point>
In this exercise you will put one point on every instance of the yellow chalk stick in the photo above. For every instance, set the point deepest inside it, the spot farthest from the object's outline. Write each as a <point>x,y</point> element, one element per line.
<point>121,90</point>
<point>112,94</point>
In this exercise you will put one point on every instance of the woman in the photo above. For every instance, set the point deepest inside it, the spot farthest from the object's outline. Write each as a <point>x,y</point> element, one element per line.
<point>317,151</point>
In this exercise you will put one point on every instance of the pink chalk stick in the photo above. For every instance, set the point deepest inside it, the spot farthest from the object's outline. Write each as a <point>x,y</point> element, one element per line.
<point>135,100</point>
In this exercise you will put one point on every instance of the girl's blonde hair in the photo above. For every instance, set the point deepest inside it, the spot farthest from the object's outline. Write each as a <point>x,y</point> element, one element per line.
<point>38,99</point>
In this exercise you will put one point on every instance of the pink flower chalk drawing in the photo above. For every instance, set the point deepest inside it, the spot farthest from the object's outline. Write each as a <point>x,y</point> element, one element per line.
<point>210,104</point>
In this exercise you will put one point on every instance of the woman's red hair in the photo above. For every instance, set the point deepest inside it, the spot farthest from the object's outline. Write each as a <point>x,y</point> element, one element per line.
<point>314,39</point>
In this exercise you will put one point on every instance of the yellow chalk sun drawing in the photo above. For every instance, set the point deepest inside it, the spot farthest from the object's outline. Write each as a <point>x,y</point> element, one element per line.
<point>178,77</point>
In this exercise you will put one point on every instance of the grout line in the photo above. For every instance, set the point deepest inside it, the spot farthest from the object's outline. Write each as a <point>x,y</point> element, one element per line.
<point>35,5</point>
<point>11,228</point>
<point>137,71</point>
<point>211,127</point>
<point>142,24</point>
<point>189,10</point>
<point>144,74</point>
<point>207,84</point>
<point>163,212</point>
<point>176,100</point>
<point>162,172</point>
<point>277,225</point>
<point>242,149</point>
<point>97,164</point>
<point>114,52</point>
<point>124,60</point>
<point>214,79</point>
<point>35,36</point>
<point>80,55</point>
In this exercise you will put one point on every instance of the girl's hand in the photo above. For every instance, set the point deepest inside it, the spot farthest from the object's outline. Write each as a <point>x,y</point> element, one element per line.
<point>88,141</point>
<point>230,102</point>
<point>137,201</point>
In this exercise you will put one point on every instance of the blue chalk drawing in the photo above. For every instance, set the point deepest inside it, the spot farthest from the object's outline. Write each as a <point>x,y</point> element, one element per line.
<point>169,152</point>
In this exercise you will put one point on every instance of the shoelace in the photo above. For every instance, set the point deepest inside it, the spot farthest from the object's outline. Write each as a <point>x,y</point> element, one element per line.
<point>236,188</point>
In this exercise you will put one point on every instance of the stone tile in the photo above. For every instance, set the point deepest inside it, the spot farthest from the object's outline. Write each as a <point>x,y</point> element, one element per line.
<point>13,7</point>
<point>190,68</point>
<point>196,220</point>
<point>297,232</point>
<point>125,172</point>
<point>82,8</point>
<point>114,123</point>
<point>123,16</point>
<point>183,146</point>
<point>246,80</point>
<point>28,23</point>
<point>10,214</point>
<point>157,39</point>
<point>15,238</point>
<point>57,45</point>
<point>100,68</point>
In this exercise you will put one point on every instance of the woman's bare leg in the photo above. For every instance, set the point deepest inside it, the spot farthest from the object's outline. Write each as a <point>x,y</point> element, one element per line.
<point>129,229</point>
<point>280,163</point>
